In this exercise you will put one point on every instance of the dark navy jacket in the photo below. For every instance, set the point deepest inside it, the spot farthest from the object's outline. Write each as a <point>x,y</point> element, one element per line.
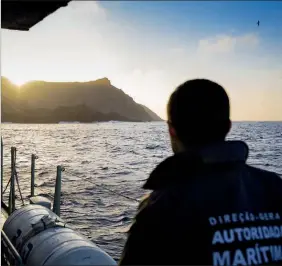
<point>208,208</point>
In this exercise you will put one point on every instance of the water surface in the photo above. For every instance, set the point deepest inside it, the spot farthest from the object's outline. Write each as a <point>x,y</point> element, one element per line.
<point>104,157</point>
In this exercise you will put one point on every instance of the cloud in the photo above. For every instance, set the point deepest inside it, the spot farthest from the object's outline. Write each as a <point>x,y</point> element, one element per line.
<point>227,44</point>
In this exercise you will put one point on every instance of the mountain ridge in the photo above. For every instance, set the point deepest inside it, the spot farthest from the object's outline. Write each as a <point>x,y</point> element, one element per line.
<point>52,102</point>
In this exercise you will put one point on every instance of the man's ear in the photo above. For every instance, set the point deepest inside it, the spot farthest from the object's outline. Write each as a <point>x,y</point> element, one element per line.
<point>171,130</point>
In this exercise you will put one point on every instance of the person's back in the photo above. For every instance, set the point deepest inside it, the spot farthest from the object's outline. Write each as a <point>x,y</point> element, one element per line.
<point>207,206</point>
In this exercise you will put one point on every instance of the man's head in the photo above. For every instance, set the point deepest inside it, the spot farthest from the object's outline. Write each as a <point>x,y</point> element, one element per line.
<point>198,114</point>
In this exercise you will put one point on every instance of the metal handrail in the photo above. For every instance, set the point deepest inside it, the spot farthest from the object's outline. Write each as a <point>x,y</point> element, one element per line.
<point>11,248</point>
<point>14,177</point>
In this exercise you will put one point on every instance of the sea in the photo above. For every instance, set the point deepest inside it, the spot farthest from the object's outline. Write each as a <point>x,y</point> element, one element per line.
<point>106,165</point>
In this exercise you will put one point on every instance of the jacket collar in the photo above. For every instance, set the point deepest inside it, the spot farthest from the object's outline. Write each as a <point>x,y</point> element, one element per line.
<point>183,165</point>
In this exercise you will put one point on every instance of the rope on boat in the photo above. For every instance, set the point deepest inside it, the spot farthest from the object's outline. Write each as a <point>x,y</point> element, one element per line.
<point>6,186</point>
<point>93,183</point>
<point>107,189</point>
<point>46,162</point>
<point>114,192</point>
<point>98,185</point>
<point>16,177</point>
<point>19,188</point>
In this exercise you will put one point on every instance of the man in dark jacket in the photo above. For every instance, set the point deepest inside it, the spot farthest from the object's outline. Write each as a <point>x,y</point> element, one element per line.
<point>208,206</point>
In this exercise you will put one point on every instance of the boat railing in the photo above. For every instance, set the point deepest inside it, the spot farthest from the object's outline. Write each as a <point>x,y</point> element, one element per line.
<point>14,180</point>
<point>60,169</point>
<point>10,252</point>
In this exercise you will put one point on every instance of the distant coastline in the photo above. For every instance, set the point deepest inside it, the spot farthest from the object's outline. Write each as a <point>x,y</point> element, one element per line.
<point>116,121</point>
<point>40,102</point>
<point>79,123</point>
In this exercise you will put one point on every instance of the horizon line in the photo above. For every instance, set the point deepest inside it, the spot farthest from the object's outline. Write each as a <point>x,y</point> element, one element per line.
<point>164,121</point>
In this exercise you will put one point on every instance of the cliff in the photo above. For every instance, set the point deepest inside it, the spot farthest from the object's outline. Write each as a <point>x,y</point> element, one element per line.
<point>154,116</point>
<point>52,102</point>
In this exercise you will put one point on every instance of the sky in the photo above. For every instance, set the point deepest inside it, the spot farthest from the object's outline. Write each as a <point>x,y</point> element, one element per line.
<point>148,48</point>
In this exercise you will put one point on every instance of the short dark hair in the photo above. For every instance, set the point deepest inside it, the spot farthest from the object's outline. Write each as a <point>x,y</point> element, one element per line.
<point>199,111</point>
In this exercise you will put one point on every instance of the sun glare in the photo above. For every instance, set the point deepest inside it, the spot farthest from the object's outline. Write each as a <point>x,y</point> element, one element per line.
<point>18,81</point>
